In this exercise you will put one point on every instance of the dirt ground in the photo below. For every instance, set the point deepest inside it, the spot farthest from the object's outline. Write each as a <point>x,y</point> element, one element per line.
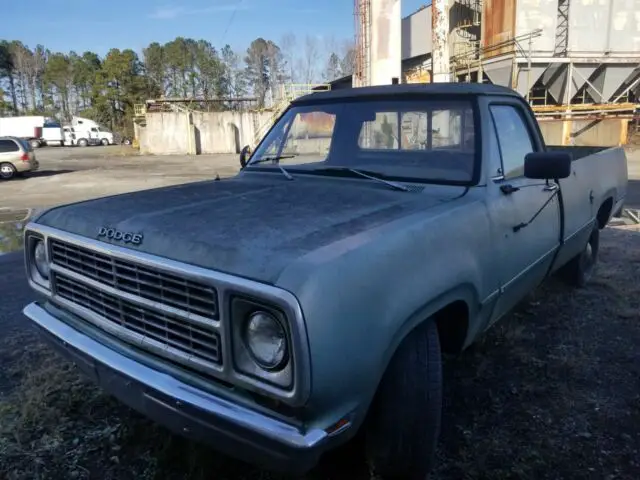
<point>551,392</point>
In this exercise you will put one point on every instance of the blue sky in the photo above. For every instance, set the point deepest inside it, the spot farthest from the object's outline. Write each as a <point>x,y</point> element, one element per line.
<point>63,25</point>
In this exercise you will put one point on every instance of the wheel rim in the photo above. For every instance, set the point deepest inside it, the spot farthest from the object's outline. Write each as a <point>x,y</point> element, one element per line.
<point>6,171</point>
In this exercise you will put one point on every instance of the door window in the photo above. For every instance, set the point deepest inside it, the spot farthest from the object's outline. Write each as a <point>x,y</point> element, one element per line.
<point>8,146</point>
<point>513,139</point>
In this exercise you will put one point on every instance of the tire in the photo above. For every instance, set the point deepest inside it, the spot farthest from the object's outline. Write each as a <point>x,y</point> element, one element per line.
<point>403,425</point>
<point>83,142</point>
<point>34,143</point>
<point>7,171</point>
<point>579,270</point>
<point>104,142</point>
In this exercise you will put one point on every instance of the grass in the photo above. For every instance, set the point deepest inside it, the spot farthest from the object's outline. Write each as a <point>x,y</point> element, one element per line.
<point>552,391</point>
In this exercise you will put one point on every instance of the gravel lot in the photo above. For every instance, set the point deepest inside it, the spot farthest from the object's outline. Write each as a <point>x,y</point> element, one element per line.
<point>70,174</point>
<point>551,392</point>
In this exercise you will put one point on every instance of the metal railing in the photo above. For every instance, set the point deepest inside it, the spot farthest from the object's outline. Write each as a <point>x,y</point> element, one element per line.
<point>139,110</point>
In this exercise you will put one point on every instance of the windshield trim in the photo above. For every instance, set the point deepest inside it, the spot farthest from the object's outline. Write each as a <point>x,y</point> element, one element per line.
<point>472,99</point>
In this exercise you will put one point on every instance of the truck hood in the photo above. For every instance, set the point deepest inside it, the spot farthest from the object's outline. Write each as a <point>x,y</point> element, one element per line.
<point>251,227</point>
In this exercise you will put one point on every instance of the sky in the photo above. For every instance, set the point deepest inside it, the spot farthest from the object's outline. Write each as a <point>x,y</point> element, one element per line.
<point>81,25</point>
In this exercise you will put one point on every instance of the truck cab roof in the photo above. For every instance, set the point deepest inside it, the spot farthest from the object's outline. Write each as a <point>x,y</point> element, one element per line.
<point>407,89</point>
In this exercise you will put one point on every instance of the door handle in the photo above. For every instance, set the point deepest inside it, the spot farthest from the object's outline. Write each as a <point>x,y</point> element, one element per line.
<point>551,187</point>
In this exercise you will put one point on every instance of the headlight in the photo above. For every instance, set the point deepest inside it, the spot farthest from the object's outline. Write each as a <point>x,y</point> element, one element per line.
<point>266,339</point>
<point>40,259</point>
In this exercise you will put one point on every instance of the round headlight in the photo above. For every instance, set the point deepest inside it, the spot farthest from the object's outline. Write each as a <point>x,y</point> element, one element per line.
<point>266,339</point>
<point>40,259</point>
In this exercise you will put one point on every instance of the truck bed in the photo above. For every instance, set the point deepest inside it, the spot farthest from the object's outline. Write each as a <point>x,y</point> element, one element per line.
<point>577,152</point>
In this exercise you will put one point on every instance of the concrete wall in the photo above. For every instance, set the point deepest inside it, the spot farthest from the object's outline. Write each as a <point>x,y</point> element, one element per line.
<point>416,34</point>
<point>214,132</point>
<point>606,133</point>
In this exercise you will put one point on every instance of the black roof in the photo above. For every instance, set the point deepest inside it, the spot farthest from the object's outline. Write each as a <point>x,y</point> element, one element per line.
<point>409,89</point>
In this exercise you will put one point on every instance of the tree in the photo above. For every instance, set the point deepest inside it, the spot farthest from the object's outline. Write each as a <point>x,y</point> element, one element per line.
<point>333,69</point>
<point>7,71</point>
<point>348,61</point>
<point>257,70</point>
<point>58,81</point>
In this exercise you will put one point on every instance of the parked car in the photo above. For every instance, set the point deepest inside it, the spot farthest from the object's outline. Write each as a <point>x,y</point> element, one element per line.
<point>277,313</point>
<point>16,157</point>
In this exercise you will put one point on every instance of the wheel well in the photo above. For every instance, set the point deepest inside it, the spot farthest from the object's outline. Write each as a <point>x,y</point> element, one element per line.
<point>604,212</point>
<point>453,323</point>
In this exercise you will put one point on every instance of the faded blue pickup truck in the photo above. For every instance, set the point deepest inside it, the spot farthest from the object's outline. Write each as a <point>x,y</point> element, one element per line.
<point>278,313</point>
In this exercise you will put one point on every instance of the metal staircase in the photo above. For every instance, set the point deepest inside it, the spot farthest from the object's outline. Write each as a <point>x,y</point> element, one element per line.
<point>288,93</point>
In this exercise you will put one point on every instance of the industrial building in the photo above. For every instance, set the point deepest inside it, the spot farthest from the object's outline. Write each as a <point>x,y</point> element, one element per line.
<point>554,52</point>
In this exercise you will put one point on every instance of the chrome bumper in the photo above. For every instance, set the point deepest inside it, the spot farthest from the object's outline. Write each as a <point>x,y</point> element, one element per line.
<point>188,411</point>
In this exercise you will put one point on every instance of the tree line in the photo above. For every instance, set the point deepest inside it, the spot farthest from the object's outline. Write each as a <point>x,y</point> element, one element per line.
<point>41,82</point>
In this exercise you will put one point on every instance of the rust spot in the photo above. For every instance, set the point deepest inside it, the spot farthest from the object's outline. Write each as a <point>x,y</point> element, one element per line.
<point>498,26</point>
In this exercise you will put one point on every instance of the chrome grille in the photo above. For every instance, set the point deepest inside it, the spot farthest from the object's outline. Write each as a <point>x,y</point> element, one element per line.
<point>180,340</point>
<point>186,295</point>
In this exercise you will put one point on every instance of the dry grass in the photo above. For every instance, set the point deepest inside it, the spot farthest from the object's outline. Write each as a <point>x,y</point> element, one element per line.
<point>551,392</point>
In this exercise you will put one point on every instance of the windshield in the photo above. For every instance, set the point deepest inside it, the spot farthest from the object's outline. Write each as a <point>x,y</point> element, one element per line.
<point>430,140</point>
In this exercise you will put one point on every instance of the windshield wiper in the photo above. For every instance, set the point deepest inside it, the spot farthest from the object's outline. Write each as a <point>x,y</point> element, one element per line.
<point>367,174</point>
<point>275,159</point>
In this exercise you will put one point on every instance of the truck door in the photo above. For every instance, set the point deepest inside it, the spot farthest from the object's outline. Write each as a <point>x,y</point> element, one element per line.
<point>525,213</point>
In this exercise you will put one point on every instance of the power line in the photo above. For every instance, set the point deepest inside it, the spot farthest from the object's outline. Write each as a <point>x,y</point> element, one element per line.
<point>233,14</point>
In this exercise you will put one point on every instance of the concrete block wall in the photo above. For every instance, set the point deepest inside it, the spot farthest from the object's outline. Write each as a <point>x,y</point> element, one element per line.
<point>202,132</point>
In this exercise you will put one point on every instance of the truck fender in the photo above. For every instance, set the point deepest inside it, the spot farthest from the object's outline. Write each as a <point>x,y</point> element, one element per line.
<point>464,293</point>
<point>604,216</point>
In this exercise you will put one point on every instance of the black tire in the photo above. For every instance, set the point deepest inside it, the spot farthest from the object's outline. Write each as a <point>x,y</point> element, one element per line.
<point>579,270</point>
<point>403,425</point>
<point>7,171</point>
<point>34,143</point>
<point>83,142</point>
<point>104,142</point>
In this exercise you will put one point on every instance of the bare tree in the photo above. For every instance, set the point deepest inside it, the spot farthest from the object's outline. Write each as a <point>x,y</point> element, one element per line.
<point>348,57</point>
<point>287,48</point>
<point>310,60</point>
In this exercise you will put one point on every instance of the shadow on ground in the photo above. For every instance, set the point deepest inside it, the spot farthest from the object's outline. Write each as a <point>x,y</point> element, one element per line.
<point>633,195</point>
<point>43,174</point>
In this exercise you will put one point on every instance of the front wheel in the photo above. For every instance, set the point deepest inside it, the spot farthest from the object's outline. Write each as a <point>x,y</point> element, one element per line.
<point>35,143</point>
<point>82,142</point>
<point>402,430</point>
<point>104,142</point>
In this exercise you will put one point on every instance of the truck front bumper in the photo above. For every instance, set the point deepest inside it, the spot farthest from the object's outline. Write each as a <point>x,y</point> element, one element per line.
<point>190,412</point>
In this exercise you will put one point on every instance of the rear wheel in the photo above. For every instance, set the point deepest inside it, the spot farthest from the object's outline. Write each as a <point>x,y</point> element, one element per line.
<point>7,171</point>
<point>34,143</point>
<point>579,270</point>
<point>402,430</point>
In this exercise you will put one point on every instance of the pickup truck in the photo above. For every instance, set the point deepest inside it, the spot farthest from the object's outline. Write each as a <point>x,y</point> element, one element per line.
<point>308,300</point>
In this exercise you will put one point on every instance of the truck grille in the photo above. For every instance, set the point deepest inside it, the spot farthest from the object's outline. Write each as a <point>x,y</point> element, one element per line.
<point>186,295</point>
<point>187,343</point>
<point>175,318</point>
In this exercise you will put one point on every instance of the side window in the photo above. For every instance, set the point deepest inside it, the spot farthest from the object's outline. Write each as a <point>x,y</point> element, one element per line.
<point>513,138</point>
<point>381,133</point>
<point>8,146</point>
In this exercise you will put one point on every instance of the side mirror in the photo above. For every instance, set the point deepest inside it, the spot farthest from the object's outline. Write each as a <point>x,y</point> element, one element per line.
<point>244,155</point>
<point>547,165</point>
